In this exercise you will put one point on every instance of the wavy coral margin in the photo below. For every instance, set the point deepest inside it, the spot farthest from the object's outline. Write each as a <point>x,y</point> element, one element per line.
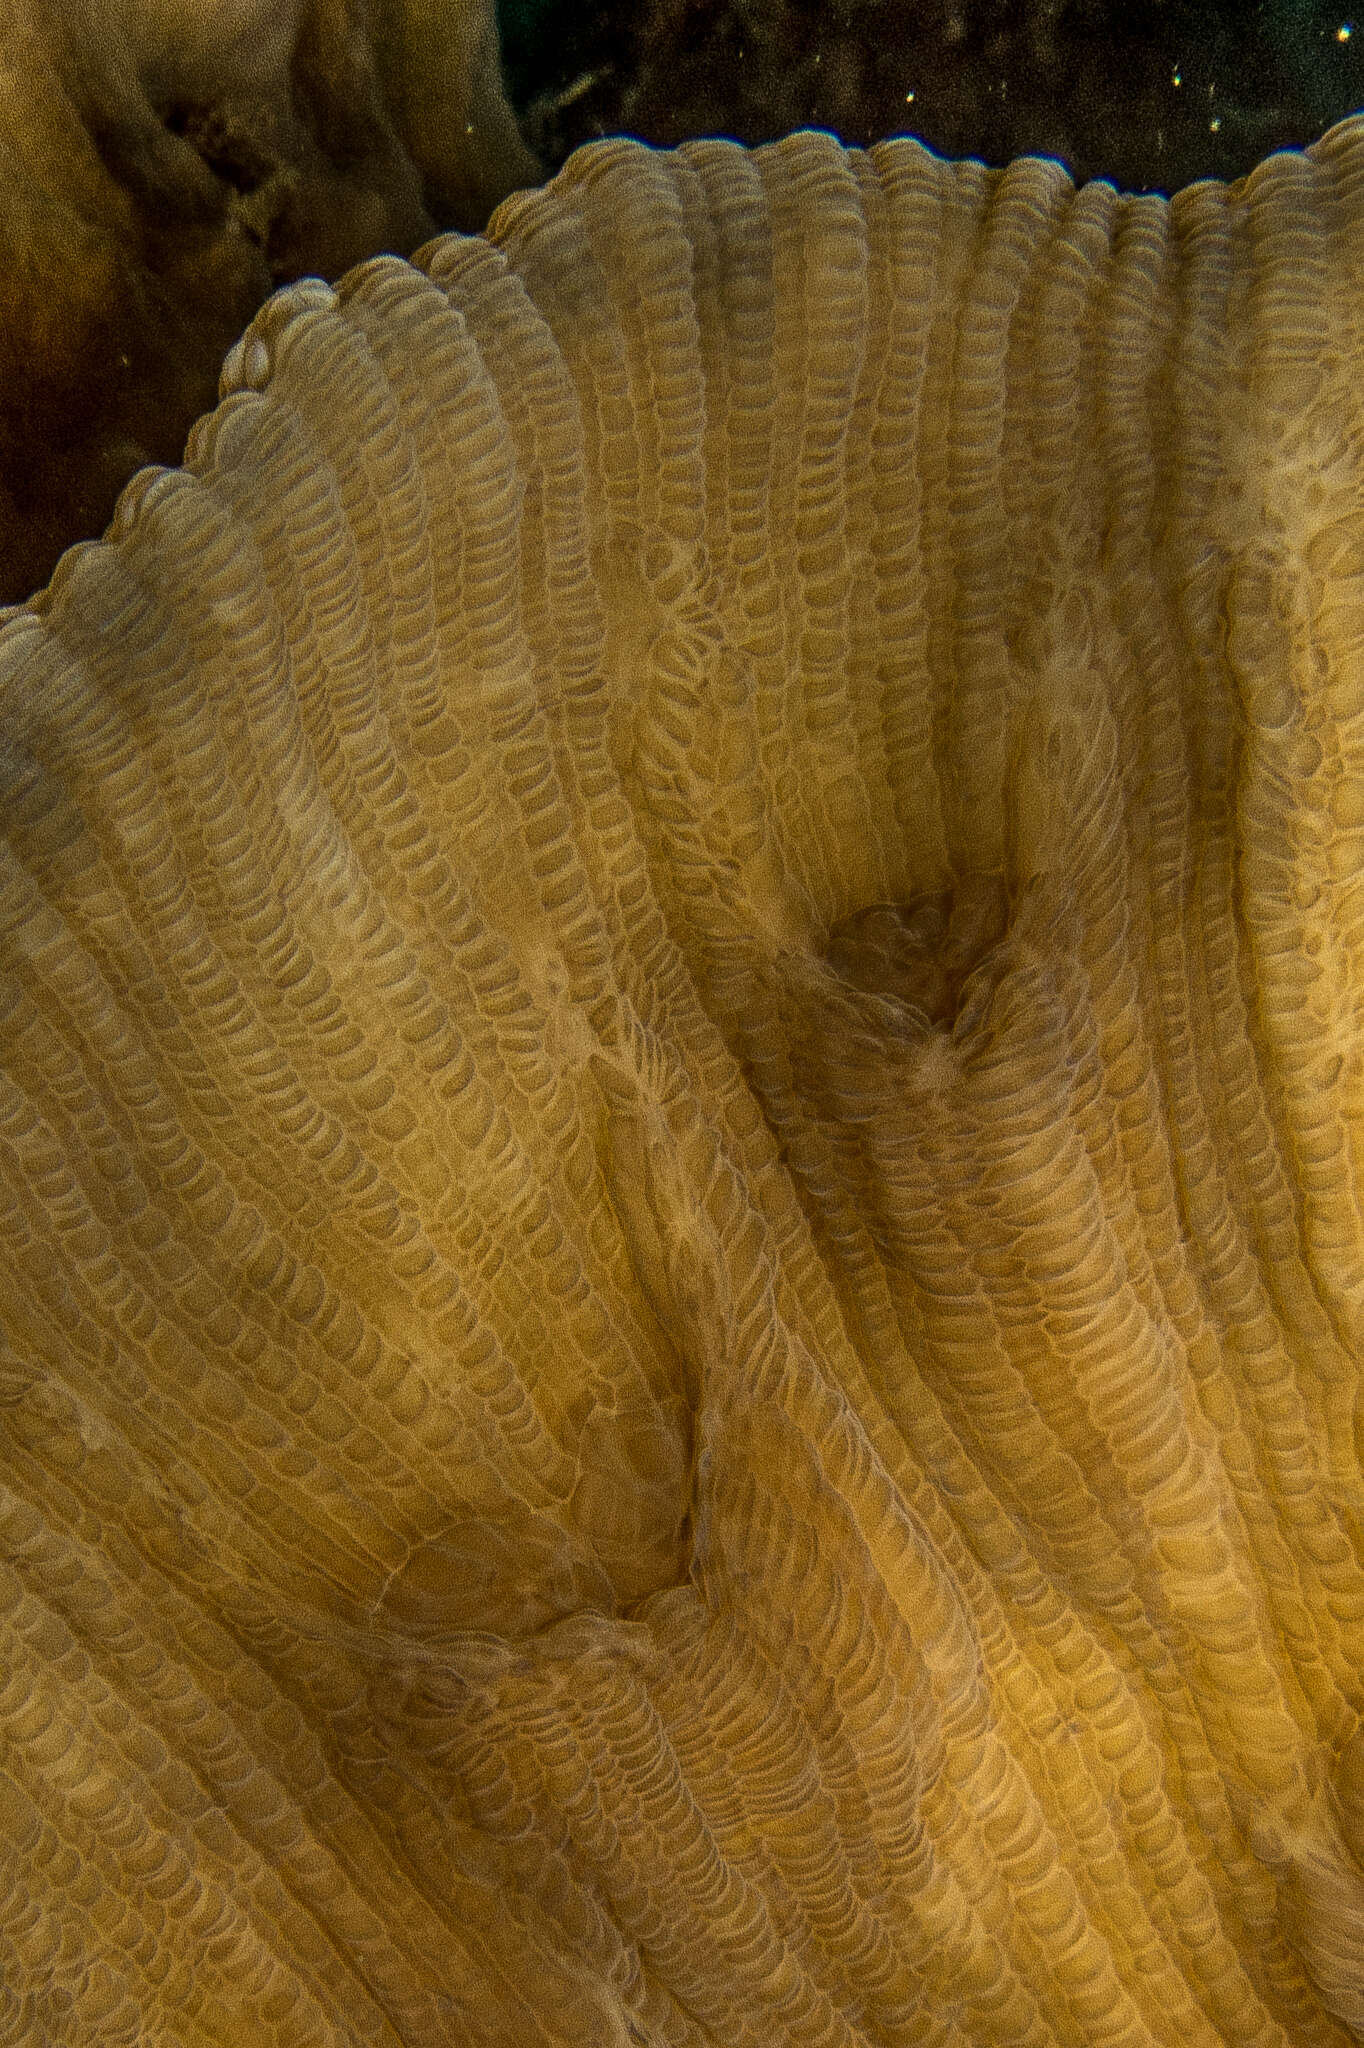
<point>680,1138</point>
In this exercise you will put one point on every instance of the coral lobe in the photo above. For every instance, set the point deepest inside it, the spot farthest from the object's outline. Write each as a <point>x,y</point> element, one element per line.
<point>679,1139</point>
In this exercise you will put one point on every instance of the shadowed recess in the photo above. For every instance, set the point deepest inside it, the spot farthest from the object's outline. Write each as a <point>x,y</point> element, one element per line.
<point>163,167</point>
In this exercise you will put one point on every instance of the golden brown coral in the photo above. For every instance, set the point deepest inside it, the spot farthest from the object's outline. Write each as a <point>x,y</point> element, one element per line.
<point>679,1150</point>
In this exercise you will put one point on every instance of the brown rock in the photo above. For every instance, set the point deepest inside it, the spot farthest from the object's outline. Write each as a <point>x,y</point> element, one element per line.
<point>163,168</point>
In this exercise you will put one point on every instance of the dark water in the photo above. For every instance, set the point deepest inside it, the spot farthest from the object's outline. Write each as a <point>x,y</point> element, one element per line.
<point>1147,92</point>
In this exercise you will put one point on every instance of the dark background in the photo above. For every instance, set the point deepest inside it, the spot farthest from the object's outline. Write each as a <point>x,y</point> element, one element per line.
<point>1149,93</point>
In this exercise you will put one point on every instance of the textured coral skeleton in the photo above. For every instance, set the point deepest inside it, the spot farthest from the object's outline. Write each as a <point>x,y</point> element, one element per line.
<point>680,1148</point>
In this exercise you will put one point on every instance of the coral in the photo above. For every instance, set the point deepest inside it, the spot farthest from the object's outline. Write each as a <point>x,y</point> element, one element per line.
<point>163,168</point>
<point>680,1139</point>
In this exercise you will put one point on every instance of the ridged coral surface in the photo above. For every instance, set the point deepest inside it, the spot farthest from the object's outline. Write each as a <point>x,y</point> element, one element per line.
<point>681,1166</point>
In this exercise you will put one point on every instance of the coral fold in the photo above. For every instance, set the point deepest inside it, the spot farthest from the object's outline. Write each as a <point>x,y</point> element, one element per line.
<point>681,1156</point>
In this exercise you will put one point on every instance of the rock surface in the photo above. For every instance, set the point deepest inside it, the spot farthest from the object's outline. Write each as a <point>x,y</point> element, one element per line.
<point>163,168</point>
